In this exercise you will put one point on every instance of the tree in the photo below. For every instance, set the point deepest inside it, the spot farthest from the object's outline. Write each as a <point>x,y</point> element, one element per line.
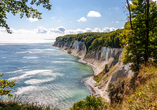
<point>89,103</point>
<point>4,84</point>
<point>140,46</point>
<point>20,6</point>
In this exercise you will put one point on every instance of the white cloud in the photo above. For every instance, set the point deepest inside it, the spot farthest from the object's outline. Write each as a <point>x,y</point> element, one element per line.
<point>70,32</point>
<point>42,30</point>
<point>32,19</point>
<point>52,17</point>
<point>117,21</point>
<point>40,34</point>
<point>82,19</point>
<point>60,30</point>
<point>107,29</point>
<point>96,30</point>
<point>88,30</point>
<point>94,14</point>
<point>59,20</point>
<point>116,8</point>
<point>79,31</point>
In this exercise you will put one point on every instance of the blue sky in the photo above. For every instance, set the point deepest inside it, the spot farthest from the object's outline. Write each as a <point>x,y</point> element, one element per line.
<point>73,16</point>
<point>67,12</point>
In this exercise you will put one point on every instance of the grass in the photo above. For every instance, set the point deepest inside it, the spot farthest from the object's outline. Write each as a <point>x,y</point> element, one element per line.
<point>103,77</point>
<point>145,95</point>
<point>17,104</point>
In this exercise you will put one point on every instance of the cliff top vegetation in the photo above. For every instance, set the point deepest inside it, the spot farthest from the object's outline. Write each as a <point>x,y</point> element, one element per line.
<point>95,40</point>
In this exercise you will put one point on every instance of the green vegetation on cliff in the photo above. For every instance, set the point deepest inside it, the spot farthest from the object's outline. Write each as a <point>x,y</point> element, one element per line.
<point>124,96</point>
<point>94,40</point>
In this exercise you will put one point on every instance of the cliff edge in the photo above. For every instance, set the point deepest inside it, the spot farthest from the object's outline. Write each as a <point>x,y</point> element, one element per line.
<point>98,59</point>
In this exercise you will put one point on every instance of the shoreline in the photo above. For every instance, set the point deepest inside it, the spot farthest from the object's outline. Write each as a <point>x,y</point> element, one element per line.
<point>89,82</point>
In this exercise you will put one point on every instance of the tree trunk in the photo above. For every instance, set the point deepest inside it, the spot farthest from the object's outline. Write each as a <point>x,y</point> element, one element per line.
<point>137,63</point>
<point>147,33</point>
<point>129,15</point>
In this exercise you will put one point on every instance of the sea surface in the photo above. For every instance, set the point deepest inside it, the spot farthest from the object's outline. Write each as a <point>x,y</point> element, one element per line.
<point>44,74</point>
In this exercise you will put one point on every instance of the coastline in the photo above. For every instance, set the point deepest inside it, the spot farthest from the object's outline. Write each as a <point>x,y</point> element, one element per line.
<point>89,82</point>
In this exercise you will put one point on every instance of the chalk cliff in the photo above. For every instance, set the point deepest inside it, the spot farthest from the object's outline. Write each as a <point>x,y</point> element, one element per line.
<point>97,59</point>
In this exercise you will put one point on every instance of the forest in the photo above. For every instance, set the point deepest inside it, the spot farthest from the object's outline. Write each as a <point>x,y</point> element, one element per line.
<point>95,40</point>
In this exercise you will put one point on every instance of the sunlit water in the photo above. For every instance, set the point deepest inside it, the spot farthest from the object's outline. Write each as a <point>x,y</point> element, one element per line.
<point>44,74</point>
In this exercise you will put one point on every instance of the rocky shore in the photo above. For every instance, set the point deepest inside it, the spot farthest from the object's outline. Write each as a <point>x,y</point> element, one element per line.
<point>97,59</point>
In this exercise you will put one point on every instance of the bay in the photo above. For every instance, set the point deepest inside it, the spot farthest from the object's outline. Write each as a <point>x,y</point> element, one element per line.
<point>44,74</point>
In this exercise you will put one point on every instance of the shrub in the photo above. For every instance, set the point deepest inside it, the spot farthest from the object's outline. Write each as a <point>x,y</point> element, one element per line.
<point>69,52</point>
<point>4,84</point>
<point>106,69</point>
<point>90,102</point>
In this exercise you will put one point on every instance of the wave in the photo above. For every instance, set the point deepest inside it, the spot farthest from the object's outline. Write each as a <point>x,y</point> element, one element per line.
<point>62,62</point>
<point>28,57</point>
<point>37,81</point>
<point>24,52</point>
<point>22,90</point>
<point>49,49</point>
<point>29,74</point>
<point>16,71</point>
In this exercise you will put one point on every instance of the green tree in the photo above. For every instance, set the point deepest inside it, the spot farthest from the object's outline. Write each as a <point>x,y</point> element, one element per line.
<point>20,6</point>
<point>138,49</point>
<point>89,103</point>
<point>4,85</point>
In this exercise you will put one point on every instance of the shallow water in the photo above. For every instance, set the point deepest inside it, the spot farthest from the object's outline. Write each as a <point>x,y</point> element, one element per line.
<point>44,74</point>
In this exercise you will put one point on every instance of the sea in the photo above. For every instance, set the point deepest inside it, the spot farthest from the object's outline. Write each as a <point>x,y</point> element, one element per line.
<point>44,74</point>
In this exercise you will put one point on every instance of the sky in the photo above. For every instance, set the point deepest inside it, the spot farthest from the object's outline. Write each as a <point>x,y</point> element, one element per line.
<point>66,17</point>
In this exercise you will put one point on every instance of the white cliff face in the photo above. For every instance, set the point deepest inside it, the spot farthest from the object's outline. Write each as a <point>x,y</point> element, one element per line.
<point>97,59</point>
<point>122,72</point>
<point>78,49</point>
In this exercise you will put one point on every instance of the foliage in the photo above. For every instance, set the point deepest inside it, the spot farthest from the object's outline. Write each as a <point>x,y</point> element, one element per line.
<point>4,84</point>
<point>20,6</point>
<point>106,69</point>
<point>89,103</point>
<point>116,91</point>
<point>145,96</point>
<point>16,105</point>
<point>141,38</point>
<point>94,40</point>
<point>123,91</point>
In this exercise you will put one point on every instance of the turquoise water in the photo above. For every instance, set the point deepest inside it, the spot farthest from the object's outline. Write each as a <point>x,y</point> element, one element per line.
<point>44,74</point>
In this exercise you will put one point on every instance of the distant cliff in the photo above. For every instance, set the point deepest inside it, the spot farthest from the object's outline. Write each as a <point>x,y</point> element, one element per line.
<point>97,59</point>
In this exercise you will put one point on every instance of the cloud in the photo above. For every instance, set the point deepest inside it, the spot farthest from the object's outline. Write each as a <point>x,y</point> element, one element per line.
<point>117,21</point>
<point>3,30</point>
<point>116,8</point>
<point>59,20</point>
<point>82,19</point>
<point>79,31</point>
<point>88,30</point>
<point>42,30</point>
<point>106,29</point>
<point>94,14</point>
<point>60,30</point>
<point>32,19</point>
<point>42,35</point>
<point>52,17</point>
<point>70,32</point>
<point>96,30</point>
